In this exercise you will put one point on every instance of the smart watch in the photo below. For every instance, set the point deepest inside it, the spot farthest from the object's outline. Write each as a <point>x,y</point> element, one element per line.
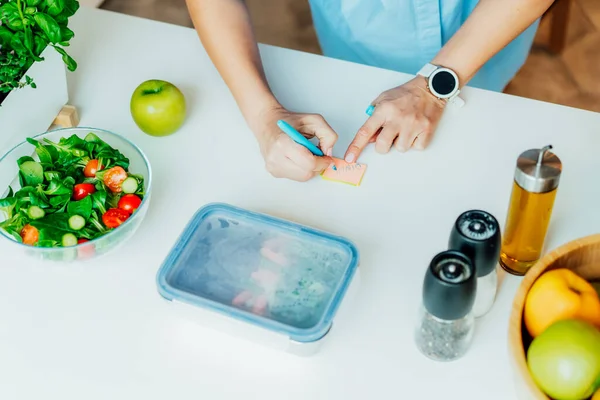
<point>442,83</point>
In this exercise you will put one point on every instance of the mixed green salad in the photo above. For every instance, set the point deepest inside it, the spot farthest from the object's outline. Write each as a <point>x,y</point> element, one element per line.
<point>78,190</point>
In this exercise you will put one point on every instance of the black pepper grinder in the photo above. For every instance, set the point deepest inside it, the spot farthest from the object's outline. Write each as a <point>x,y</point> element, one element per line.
<point>476,234</point>
<point>446,322</point>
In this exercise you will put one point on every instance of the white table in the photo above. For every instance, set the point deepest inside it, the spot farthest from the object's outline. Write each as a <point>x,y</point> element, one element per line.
<point>101,331</point>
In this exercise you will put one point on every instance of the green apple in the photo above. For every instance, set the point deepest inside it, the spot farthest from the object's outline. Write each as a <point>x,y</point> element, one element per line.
<point>564,360</point>
<point>158,107</point>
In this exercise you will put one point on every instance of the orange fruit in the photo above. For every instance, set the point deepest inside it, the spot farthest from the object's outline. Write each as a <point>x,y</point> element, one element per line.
<point>560,294</point>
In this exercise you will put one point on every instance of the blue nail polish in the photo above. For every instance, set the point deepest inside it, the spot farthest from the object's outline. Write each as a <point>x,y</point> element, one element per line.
<point>334,168</point>
<point>370,110</point>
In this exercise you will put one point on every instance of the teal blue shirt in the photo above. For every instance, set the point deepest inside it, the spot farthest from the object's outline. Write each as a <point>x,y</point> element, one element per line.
<point>404,35</point>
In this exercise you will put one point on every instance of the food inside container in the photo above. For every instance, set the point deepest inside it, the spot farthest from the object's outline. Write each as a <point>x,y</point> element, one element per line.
<point>271,273</point>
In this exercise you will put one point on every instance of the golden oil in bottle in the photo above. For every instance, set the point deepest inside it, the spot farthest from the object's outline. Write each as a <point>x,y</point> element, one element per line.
<point>531,203</point>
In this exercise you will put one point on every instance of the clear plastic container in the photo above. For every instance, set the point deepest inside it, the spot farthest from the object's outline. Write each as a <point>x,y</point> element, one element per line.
<point>139,165</point>
<point>252,275</point>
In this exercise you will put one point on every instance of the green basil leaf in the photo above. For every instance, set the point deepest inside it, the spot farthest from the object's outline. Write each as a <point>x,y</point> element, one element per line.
<point>66,34</point>
<point>42,151</point>
<point>60,200</point>
<point>40,44</point>
<point>69,182</point>
<point>92,138</point>
<point>5,35</point>
<point>73,142</point>
<point>17,43</point>
<point>37,200</point>
<point>33,3</point>
<point>56,187</point>
<point>82,207</point>
<point>55,7</point>
<point>49,26</point>
<point>71,7</point>
<point>50,237</point>
<point>49,175</point>
<point>30,10</point>
<point>53,221</point>
<point>29,44</point>
<point>14,233</point>
<point>7,206</point>
<point>9,12</point>
<point>67,59</point>
<point>99,201</point>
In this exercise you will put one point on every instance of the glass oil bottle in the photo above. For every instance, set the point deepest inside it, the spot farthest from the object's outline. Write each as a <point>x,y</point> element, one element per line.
<point>534,190</point>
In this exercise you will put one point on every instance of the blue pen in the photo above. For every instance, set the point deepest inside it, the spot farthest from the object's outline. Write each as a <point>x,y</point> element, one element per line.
<point>298,137</point>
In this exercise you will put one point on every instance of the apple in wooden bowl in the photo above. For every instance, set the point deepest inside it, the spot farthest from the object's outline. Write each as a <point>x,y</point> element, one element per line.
<point>554,328</point>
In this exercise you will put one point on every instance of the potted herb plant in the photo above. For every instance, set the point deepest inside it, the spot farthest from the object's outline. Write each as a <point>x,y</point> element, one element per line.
<point>33,83</point>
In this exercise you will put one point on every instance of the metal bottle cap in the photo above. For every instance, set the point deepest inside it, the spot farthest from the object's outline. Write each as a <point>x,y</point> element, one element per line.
<point>538,170</point>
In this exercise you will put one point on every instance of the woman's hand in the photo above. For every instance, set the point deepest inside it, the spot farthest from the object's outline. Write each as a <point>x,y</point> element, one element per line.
<point>404,117</point>
<point>285,158</point>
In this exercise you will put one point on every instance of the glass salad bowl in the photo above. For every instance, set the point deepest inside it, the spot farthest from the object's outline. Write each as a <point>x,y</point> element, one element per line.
<point>72,194</point>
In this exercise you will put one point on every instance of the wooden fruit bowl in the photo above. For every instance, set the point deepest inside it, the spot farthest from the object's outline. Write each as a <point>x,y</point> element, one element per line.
<point>583,257</point>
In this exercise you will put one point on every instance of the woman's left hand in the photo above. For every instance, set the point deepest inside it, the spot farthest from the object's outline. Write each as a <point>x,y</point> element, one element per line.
<point>404,117</point>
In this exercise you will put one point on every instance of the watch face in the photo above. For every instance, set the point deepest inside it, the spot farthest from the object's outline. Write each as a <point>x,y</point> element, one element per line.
<point>444,82</point>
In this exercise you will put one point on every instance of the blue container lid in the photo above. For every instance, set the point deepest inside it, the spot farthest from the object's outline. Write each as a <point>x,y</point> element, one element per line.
<point>266,271</point>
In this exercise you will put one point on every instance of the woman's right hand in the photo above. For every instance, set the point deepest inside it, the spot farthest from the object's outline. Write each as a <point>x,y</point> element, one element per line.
<point>285,158</point>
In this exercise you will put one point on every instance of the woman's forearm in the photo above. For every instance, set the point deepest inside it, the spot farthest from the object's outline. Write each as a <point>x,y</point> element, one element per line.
<point>491,26</point>
<point>225,30</point>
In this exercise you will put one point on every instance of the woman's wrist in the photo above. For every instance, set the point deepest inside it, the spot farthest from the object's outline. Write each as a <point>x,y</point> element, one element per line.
<point>257,114</point>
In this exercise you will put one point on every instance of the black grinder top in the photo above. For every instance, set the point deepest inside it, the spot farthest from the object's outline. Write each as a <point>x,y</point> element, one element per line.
<point>476,234</point>
<point>449,286</point>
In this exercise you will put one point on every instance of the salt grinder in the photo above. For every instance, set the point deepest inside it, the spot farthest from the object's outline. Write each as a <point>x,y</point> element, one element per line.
<point>446,322</point>
<point>476,234</point>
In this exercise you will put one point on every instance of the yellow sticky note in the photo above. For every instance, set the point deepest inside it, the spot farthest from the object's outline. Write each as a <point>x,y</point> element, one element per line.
<point>344,172</point>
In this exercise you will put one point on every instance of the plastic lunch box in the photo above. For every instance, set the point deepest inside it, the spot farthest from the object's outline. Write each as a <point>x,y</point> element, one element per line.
<point>266,279</point>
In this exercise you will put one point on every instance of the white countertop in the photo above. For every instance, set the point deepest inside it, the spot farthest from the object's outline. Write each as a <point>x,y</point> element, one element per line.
<point>100,330</point>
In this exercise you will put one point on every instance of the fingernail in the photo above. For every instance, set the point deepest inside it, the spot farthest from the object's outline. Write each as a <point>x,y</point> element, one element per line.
<point>401,149</point>
<point>329,152</point>
<point>349,158</point>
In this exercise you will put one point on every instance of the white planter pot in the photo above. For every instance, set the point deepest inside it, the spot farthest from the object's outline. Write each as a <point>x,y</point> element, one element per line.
<point>27,111</point>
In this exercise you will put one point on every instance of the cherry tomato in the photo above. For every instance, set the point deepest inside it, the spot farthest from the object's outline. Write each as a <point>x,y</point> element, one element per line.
<point>83,189</point>
<point>91,168</point>
<point>82,240</point>
<point>130,203</point>
<point>30,235</point>
<point>114,217</point>
<point>114,177</point>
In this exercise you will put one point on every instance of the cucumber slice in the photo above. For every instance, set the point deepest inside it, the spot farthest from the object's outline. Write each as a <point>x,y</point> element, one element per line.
<point>69,240</point>
<point>33,173</point>
<point>129,185</point>
<point>76,222</point>
<point>35,212</point>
